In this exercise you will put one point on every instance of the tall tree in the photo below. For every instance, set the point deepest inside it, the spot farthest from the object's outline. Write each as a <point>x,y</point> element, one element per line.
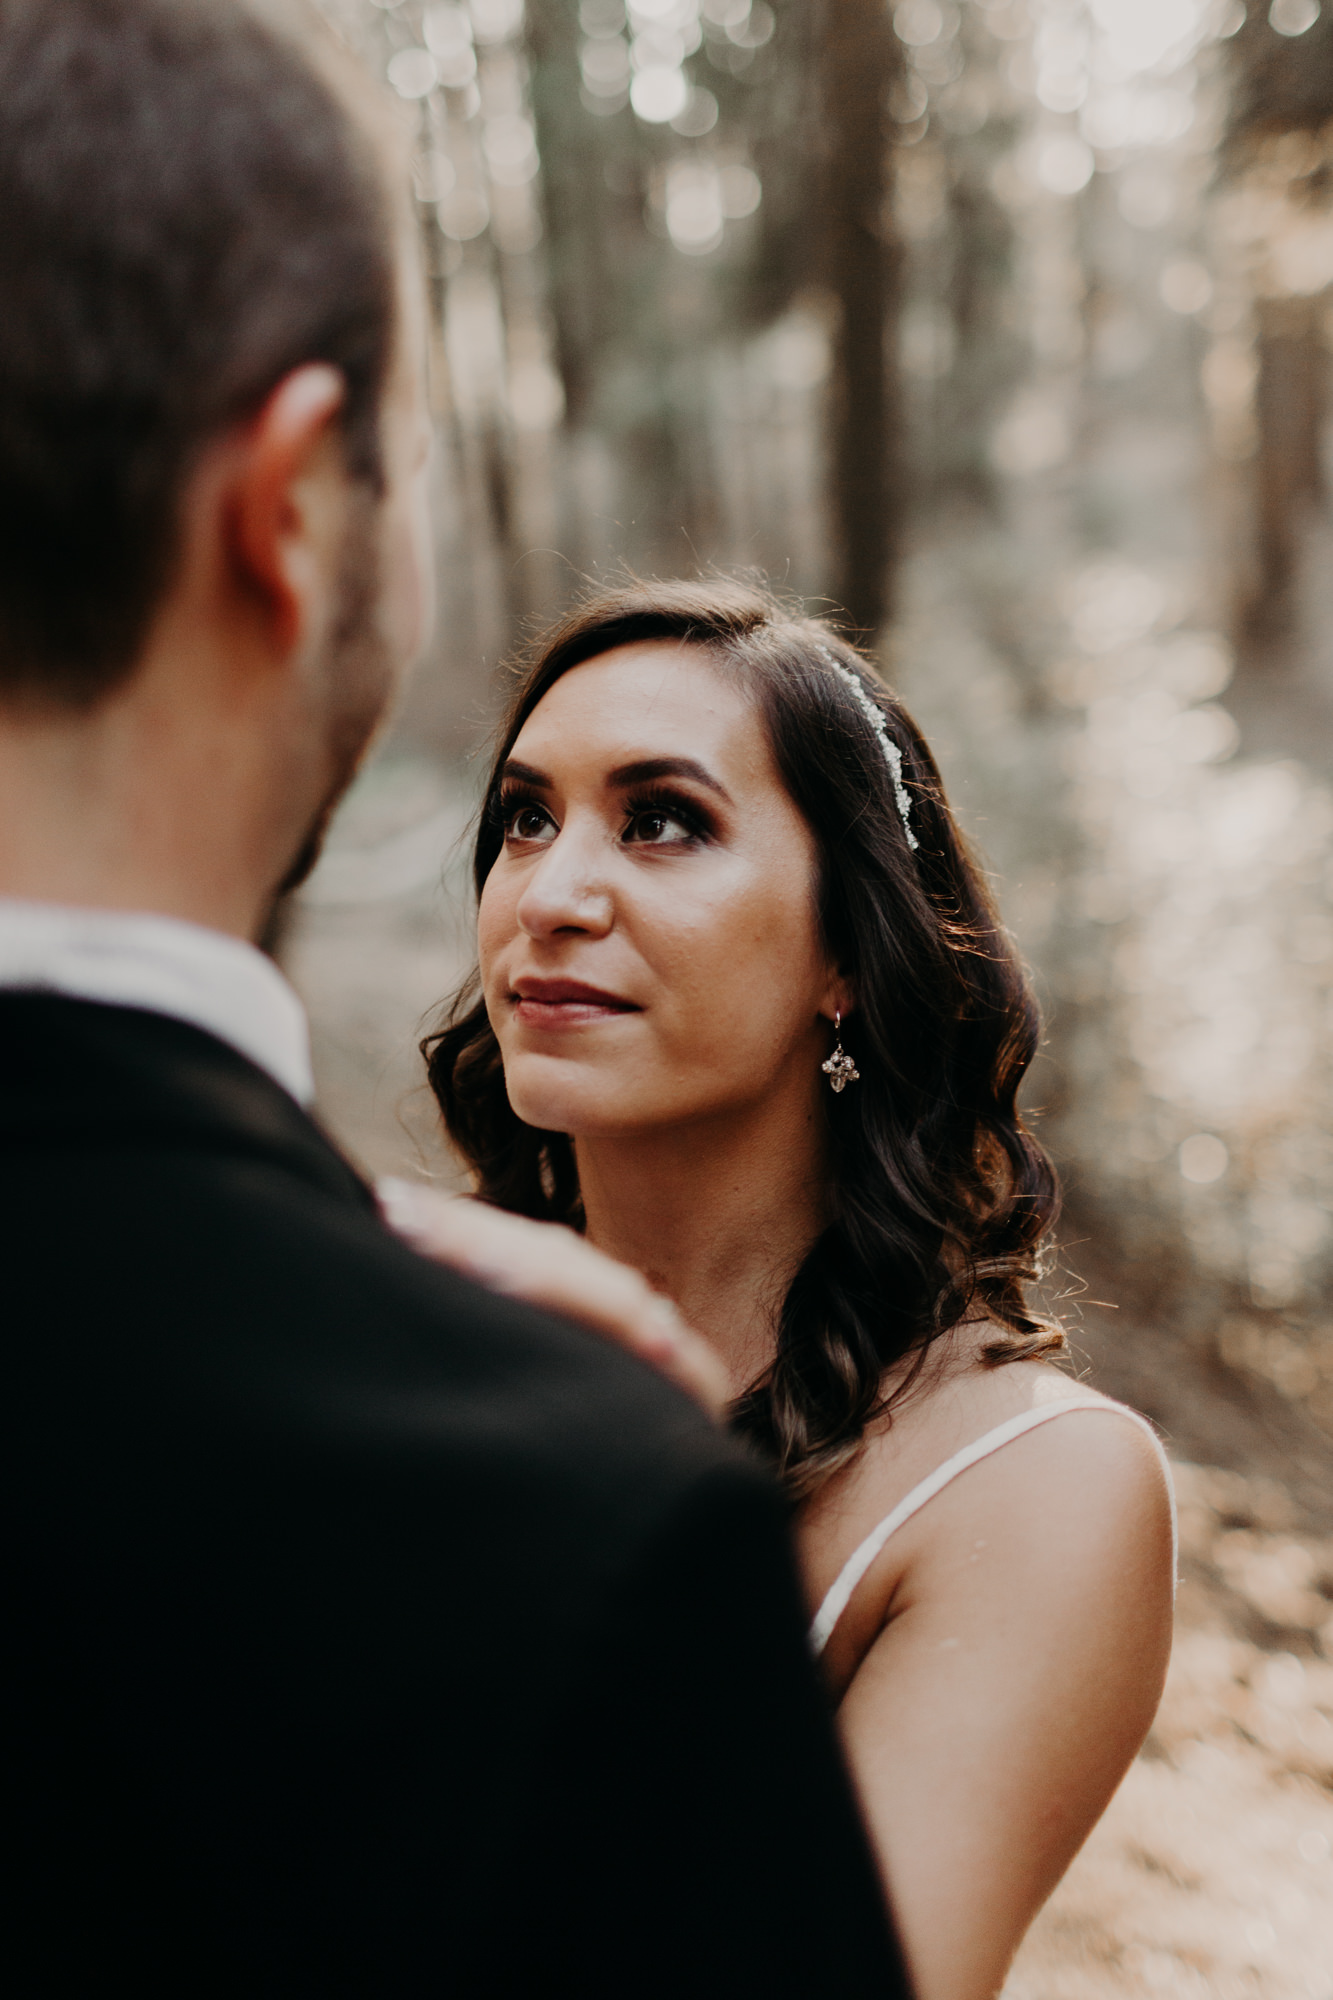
<point>861,60</point>
<point>1282,84</point>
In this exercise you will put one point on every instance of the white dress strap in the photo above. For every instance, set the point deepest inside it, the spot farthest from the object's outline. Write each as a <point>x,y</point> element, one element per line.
<point>839,1594</point>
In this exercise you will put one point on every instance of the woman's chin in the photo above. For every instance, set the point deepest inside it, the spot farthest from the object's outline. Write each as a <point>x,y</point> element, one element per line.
<point>563,1097</point>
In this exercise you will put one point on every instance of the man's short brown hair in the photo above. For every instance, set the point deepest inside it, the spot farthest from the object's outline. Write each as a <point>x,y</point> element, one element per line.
<point>188,211</point>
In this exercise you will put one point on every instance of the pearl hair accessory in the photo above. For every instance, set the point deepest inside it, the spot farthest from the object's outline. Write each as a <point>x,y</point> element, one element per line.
<point>893,756</point>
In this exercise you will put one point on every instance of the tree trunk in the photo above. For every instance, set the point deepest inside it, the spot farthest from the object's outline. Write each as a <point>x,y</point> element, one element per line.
<point>1289,408</point>
<point>574,199</point>
<point>861,59</point>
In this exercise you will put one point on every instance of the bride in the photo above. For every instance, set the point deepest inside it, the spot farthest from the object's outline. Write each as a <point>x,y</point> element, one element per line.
<point>746,1019</point>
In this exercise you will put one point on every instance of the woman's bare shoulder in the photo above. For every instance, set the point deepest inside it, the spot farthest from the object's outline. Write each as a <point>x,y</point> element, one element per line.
<point>1050,1444</point>
<point>958,1400</point>
<point>1071,1445</point>
<point>1071,1519</point>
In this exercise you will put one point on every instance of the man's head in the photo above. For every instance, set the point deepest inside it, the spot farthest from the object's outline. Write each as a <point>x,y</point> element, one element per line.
<point>209,398</point>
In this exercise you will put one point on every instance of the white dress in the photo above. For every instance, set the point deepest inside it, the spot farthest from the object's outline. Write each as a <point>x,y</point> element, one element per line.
<point>839,1594</point>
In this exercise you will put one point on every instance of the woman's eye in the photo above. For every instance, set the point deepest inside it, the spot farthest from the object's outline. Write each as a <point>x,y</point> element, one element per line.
<point>529,823</point>
<point>656,826</point>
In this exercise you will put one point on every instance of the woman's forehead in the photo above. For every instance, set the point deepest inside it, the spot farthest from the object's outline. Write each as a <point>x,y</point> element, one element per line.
<point>652,698</point>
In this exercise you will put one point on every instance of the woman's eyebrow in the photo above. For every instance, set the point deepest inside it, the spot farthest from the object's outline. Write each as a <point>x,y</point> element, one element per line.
<point>646,769</point>
<point>526,774</point>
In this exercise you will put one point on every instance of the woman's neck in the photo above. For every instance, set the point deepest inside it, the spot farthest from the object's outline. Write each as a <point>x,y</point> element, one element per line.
<point>719,1216</point>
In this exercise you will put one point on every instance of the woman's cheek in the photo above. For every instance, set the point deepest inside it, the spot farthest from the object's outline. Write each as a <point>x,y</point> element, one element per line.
<point>494,927</point>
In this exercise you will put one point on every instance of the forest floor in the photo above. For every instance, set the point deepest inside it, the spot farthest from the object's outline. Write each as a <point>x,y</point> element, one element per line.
<point>1211,1875</point>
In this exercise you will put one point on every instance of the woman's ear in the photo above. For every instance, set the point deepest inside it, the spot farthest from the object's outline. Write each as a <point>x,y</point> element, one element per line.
<point>839,997</point>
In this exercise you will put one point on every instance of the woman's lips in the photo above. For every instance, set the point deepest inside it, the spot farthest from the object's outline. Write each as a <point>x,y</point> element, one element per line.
<point>564,1003</point>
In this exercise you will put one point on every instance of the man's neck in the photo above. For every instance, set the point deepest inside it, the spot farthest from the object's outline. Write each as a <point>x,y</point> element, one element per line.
<point>139,804</point>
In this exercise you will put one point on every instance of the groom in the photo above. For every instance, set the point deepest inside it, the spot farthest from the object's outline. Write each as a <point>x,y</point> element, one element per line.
<point>366,1634</point>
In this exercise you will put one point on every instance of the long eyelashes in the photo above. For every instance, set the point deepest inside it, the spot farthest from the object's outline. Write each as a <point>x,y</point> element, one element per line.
<point>670,806</point>
<point>505,806</point>
<point>509,802</point>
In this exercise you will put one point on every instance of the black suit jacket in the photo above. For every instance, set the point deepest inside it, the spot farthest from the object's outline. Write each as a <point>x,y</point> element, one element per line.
<point>367,1634</point>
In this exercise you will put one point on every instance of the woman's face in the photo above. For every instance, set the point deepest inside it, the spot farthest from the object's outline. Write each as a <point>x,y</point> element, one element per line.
<point>648,941</point>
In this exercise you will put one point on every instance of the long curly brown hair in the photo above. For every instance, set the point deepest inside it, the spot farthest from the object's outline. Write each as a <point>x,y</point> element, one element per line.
<point>941,1201</point>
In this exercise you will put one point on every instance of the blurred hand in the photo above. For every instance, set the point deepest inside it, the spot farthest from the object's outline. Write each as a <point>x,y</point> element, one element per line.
<point>549,1266</point>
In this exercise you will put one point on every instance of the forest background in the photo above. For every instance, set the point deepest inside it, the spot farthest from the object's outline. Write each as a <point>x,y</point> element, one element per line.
<point>999,331</point>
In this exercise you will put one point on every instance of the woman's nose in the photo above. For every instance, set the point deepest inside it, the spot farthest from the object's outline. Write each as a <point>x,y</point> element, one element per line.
<point>566,891</point>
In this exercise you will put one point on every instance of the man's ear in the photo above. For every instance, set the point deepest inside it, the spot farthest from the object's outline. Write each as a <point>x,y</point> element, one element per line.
<point>286,499</point>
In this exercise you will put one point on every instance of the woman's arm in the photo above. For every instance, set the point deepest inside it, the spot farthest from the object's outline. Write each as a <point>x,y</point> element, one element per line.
<point>994,1716</point>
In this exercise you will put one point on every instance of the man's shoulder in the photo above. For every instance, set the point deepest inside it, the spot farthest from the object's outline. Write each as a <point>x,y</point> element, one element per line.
<point>372,1302</point>
<point>81,1077</point>
<point>182,1223</point>
<point>245,1289</point>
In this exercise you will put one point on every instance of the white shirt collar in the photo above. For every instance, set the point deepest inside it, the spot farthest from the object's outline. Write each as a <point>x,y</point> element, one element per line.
<point>125,959</point>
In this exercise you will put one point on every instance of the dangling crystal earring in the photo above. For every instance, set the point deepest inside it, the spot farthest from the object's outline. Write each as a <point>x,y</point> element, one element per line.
<point>840,1069</point>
